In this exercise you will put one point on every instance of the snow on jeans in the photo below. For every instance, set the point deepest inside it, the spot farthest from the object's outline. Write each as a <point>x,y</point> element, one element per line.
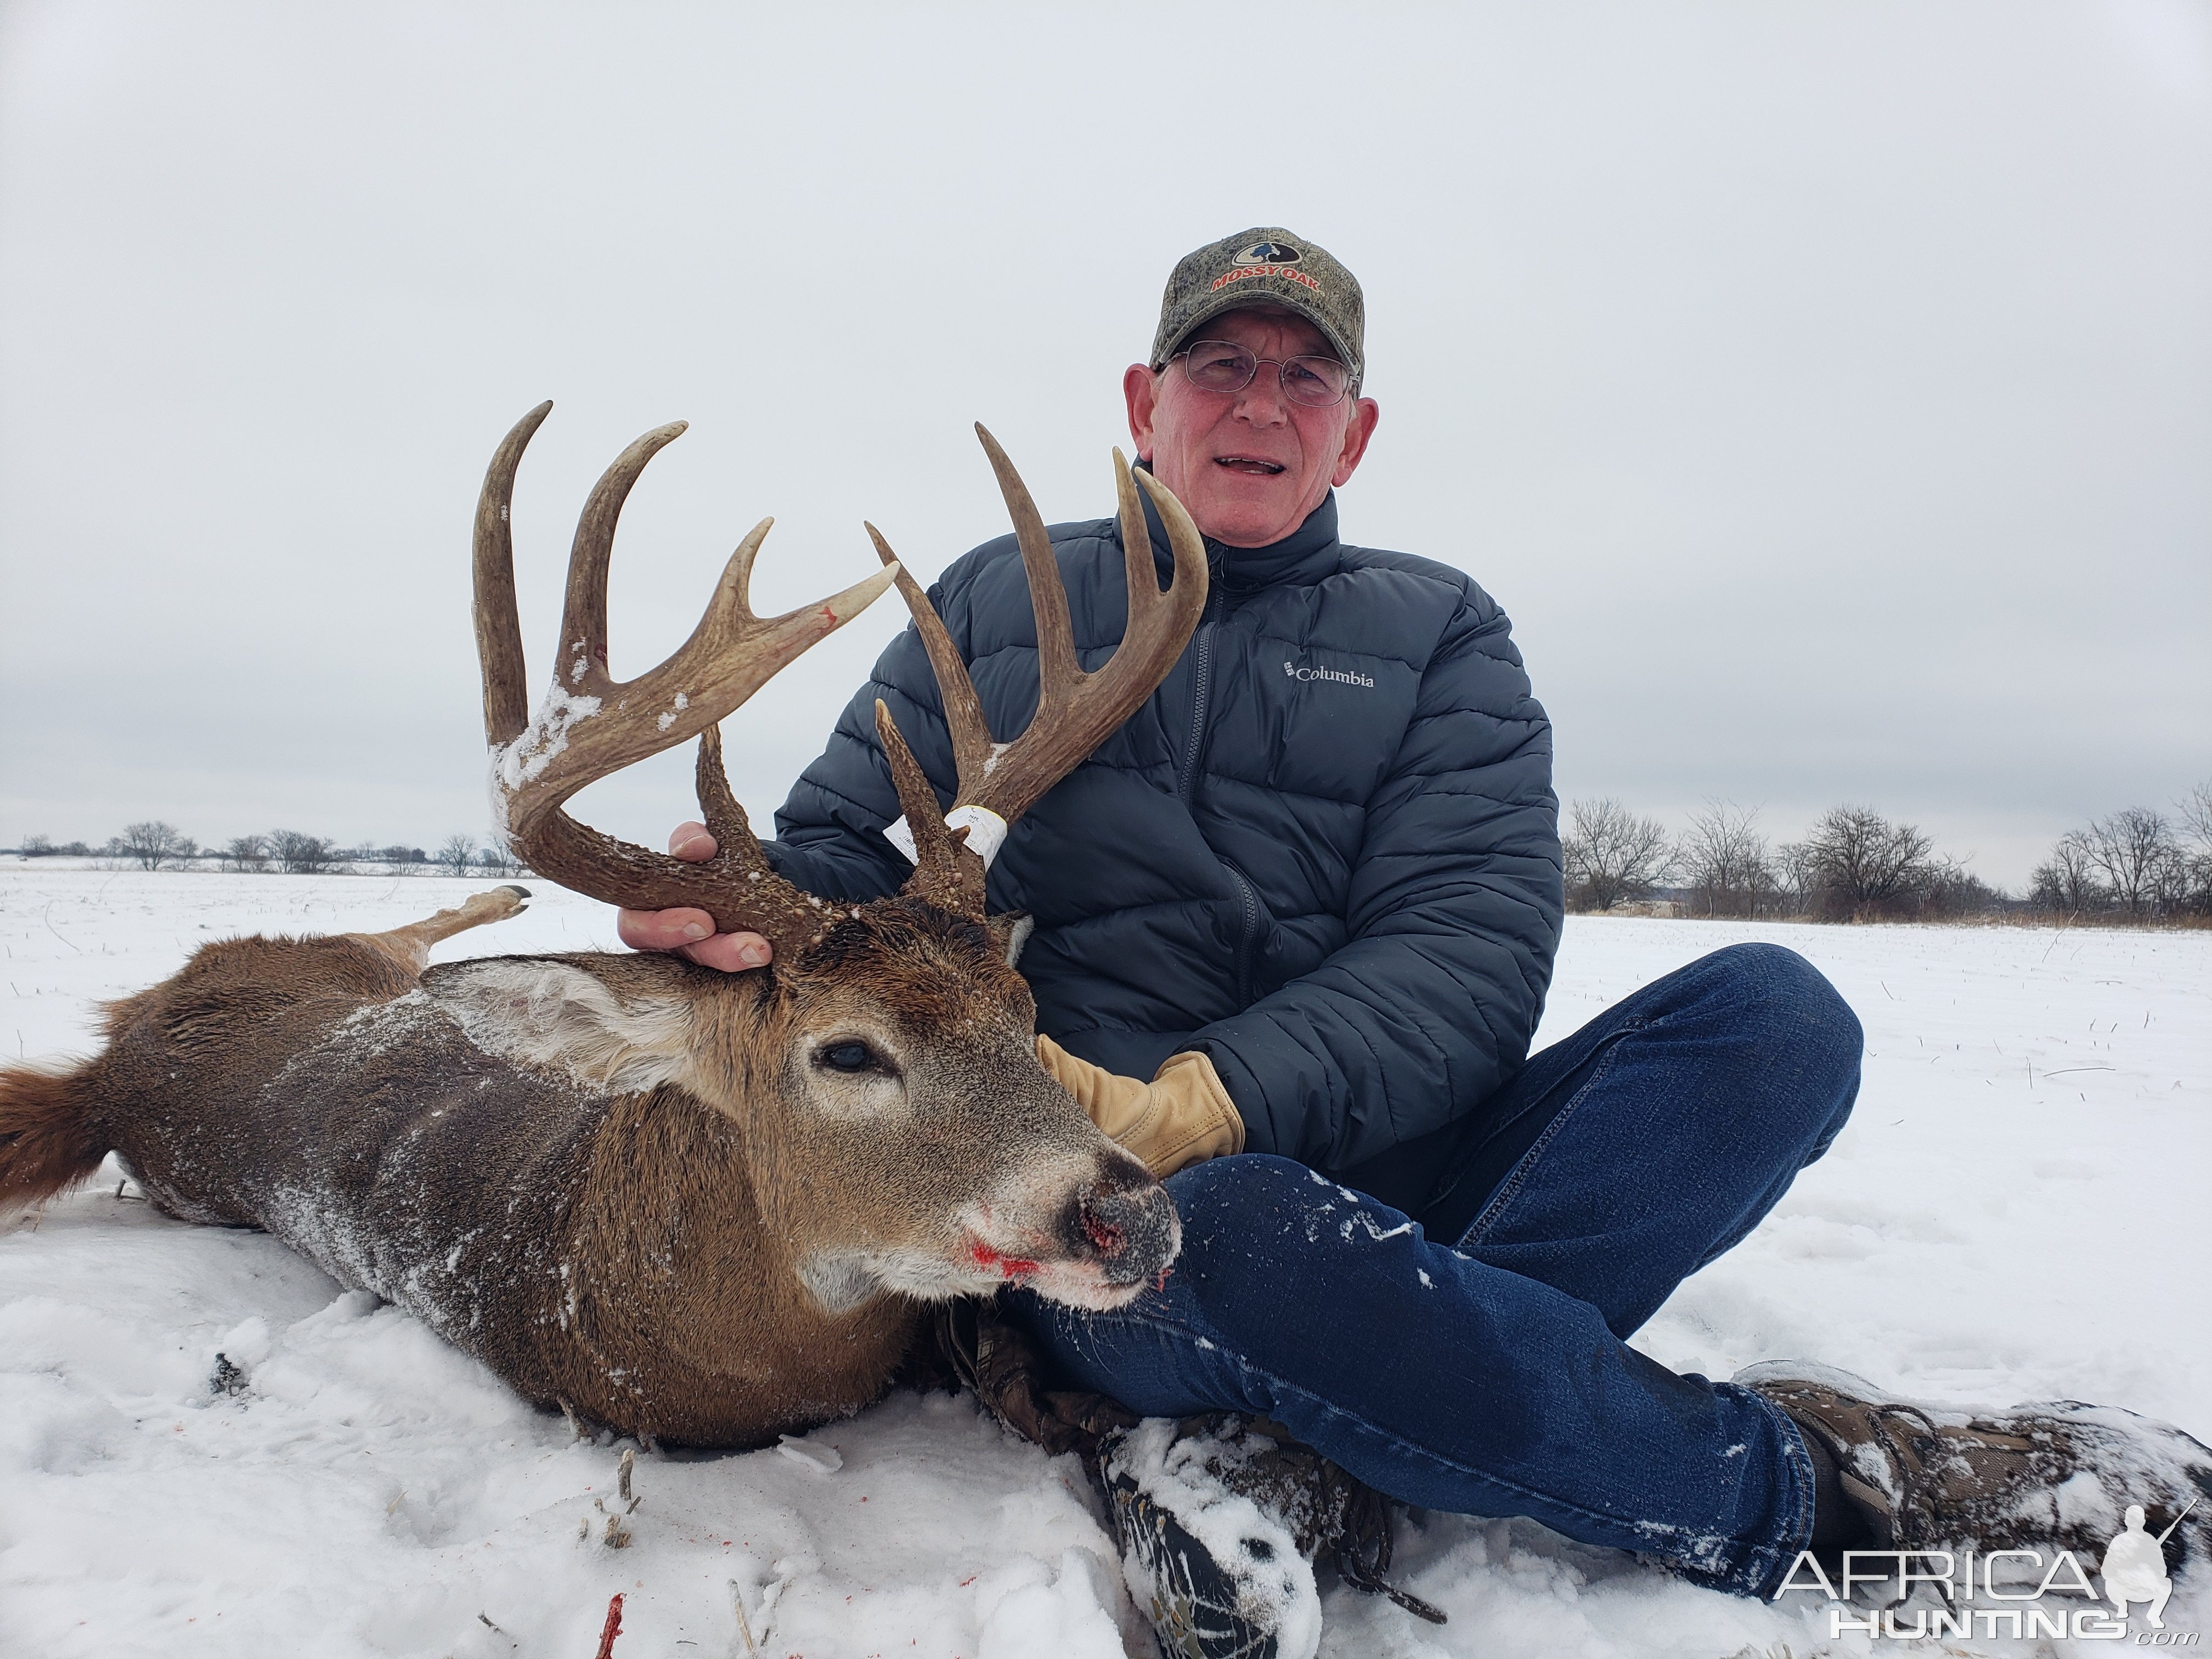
<point>1490,1375</point>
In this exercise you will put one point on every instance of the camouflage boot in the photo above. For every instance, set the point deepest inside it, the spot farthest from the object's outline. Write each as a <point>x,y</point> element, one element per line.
<point>1219,1519</point>
<point>2054,1475</point>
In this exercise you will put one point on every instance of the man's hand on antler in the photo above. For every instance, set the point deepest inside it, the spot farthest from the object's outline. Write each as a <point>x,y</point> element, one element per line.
<point>691,933</point>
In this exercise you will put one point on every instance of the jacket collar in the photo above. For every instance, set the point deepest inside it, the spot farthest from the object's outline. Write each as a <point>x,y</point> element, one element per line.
<point>1305,556</point>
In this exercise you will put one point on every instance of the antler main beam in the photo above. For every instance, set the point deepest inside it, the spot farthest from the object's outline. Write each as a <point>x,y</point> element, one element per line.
<point>590,725</point>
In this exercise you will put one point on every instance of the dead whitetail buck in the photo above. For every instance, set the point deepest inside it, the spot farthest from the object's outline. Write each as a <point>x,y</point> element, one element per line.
<point>691,1206</point>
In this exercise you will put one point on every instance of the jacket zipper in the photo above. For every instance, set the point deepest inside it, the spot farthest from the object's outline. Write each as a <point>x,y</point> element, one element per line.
<point>1250,901</point>
<point>1186,786</point>
<point>1201,695</point>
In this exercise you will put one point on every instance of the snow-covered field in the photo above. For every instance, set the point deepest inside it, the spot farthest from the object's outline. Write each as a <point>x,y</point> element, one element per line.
<point>2014,1213</point>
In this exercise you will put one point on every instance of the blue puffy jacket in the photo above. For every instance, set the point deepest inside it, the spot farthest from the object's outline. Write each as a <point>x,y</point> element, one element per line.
<point>1325,852</point>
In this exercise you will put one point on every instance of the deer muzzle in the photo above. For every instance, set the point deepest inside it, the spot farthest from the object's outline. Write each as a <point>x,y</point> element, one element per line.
<point>1125,1222</point>
<point>1117,1235</point>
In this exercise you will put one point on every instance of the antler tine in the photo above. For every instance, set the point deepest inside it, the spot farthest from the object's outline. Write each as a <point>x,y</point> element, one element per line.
<point>735,847</point>
<point>947,873</point>
<point>718,802</point>
<point>964,710</point>
<point>499,634</point>
<point>583,645</point>
<point>1154,614</point>
<point>732,653</point>
<point>1058,673</point>
<point>1136,536</point>
<point>727,619</point>
<point>733,596</point>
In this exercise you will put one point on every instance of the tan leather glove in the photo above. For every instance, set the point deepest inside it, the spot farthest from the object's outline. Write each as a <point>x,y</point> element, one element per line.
<point>1182,1116</point>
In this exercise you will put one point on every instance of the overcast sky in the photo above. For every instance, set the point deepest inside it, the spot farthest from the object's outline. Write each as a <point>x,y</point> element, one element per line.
<point>1825,390</point>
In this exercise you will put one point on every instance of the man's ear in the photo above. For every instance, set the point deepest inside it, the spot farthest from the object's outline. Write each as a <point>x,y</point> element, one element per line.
<point>1366,413</point>
<point>1140,390</point>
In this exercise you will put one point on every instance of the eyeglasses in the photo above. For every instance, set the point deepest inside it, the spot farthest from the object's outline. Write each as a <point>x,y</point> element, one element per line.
<point>1218,366</point>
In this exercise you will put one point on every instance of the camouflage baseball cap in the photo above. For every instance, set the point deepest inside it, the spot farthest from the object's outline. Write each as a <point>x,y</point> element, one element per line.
<point>1265,266</point>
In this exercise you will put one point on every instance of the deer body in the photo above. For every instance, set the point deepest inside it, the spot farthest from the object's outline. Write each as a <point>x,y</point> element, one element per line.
<point>693,1207</point>
<point>603,1251</point>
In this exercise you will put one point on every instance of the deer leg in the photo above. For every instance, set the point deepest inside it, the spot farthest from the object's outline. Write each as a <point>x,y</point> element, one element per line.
<point>410,946</point>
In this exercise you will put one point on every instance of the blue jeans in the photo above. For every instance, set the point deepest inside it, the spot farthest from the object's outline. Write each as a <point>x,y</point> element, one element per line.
<point>1465,1352</point>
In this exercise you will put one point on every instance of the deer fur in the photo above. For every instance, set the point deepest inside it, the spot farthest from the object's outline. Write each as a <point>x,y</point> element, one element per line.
<point>626,1184</point>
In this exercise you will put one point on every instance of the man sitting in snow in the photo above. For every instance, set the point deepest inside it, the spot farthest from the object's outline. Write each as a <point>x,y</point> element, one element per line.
<point>1293,928</point>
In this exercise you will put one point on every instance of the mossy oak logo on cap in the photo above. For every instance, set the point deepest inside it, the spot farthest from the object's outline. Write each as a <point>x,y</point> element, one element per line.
<point>1264,258</point>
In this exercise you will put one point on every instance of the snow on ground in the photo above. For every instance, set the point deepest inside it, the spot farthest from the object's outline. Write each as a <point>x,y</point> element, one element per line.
<point>2014,1213</point>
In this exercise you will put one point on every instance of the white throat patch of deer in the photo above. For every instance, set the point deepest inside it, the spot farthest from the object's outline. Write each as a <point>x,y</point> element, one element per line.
<point>694,1206</point>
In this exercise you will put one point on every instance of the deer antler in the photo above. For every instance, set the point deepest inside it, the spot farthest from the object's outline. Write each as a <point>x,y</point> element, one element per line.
<point>1076,711</point>
<point>590,725</point>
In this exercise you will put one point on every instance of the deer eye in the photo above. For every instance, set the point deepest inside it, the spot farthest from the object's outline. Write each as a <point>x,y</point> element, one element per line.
<point>849,1057</point>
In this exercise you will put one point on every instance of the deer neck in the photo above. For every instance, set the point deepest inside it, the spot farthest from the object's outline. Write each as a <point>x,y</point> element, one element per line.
<point>674,1229</point>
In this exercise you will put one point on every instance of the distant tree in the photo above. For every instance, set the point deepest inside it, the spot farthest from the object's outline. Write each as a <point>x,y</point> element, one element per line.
<point>1860,864</point>
<point>154,843</point>
<point>2196,812</point>
<point>401,860</point>
<point>455,852</point>
<point>37,847</point>
<point>246,852</point>
<point>1953,890</point>
<point>1793,878</point>
<point>2067,880</point>
<point>2143,864</point>
<point>1725,862</point>
<point>496,860</point>
<point>1612,856</point>
<point>298,854</point>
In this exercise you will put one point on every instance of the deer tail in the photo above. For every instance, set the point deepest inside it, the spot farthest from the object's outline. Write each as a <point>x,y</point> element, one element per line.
<point>48,1142</point>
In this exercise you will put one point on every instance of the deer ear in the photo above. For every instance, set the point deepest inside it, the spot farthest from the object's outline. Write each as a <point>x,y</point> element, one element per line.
<point>617,1039</point>
<point>1010,933</point>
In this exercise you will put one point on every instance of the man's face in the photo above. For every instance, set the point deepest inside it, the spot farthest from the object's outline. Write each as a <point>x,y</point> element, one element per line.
<point>1248,465</point>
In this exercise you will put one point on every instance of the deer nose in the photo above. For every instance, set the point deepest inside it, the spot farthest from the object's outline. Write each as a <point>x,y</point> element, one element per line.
<point>1125,1222</point>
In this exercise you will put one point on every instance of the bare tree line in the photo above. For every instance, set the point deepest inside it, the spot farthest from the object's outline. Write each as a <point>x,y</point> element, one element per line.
<point>1856,865</point>
<point>2138,865</point>
<point>2135,863</point>
<point>155,844</point>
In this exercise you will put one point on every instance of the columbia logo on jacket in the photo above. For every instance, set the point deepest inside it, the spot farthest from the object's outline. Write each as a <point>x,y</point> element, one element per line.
<point>1342,677</point>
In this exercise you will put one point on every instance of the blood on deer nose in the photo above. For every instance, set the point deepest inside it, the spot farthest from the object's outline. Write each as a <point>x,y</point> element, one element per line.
<point>1124,1221</point>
